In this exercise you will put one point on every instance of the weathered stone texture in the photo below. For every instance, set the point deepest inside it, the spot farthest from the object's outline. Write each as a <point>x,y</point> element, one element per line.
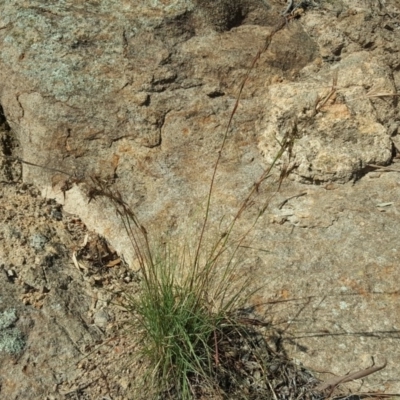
<point>139,95</point>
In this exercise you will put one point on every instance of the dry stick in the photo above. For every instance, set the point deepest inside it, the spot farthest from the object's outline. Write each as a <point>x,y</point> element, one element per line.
<point>334,382</point>
<point>18,159</point>
<point>321,102</point>
<point>288,8</point>
<point>371,395</point>
<point>384,168</point>
<point>290,198</point>
<point>256,58</point>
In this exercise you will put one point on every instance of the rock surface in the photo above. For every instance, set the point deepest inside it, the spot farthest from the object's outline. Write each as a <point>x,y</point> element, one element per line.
<point>58,303</point>
<point>138,95</point>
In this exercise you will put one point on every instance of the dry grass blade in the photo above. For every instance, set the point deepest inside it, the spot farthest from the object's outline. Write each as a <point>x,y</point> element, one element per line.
<point>375,92</point>
<point>319,103</point>
<point>208,203</point>
<point>383,168</point>
<point>379,92</point>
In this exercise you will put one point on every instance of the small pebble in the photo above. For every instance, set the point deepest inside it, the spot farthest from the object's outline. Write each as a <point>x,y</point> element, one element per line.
<point>38,241</point>
<point>101,318</point>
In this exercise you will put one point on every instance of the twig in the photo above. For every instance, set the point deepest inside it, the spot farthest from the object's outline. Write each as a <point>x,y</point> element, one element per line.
<point>385,168</point>
<point>18,159</point>
<point>334,382</point>
<point>272,390</point>
<point>288,8</point>
<point>290,198</point>
<point>376,92</point>
<point>320,103</point>
<point>374,394</point>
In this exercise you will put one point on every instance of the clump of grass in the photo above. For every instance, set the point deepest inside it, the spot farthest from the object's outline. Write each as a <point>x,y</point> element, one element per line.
<point>187,302</point>
<point>184,305</point>
<point>178,317</point>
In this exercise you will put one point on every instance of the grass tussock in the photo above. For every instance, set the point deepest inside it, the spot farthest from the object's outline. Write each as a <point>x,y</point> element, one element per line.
<point>184,317</point>
<point>186,301</point>
<point>179,312</point>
